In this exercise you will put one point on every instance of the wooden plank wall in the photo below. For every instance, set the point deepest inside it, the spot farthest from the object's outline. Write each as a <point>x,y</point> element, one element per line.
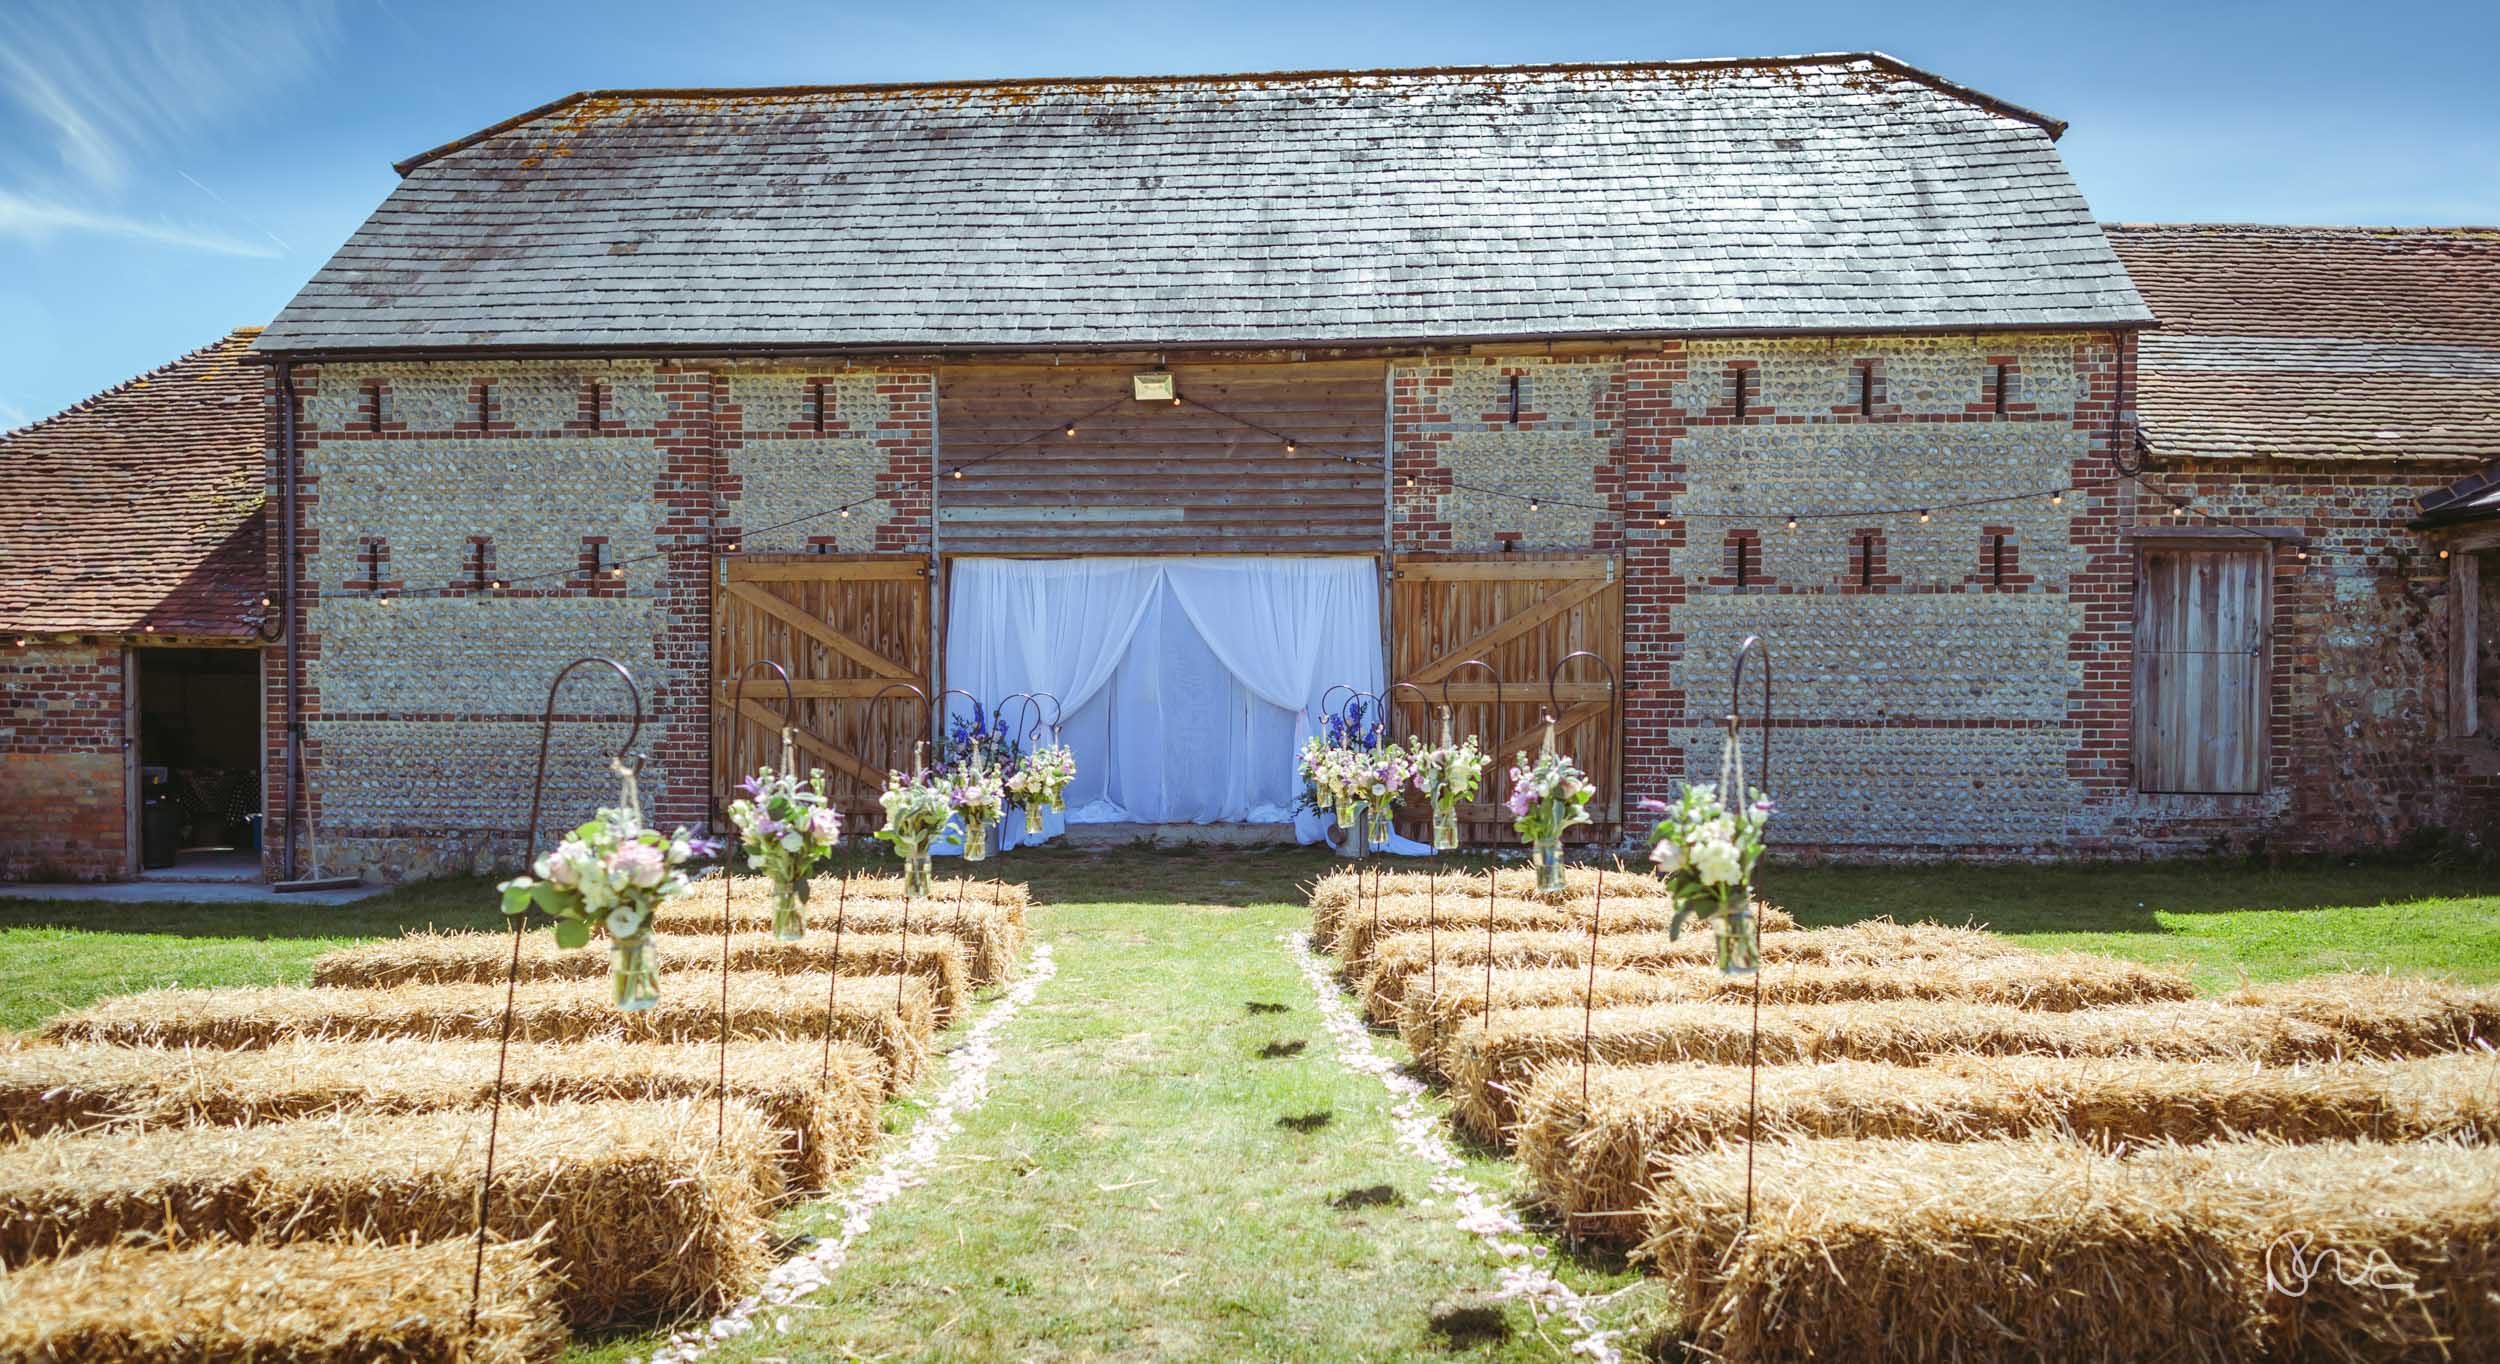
<point>1161,478</point>
<point>2201,670</point>
<point>845,626</point>
<point>1522,613</point>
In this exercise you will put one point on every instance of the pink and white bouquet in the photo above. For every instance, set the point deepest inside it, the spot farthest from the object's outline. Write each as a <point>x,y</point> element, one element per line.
<point>1707,852</point>
<point>977,795</point>
<point>1040,782</point>
<point>1321,765</point>
<point>1448,775</point>
<point>787,828</point>
<point>610,875</point>
<point>1547,797</point>
<point>1375,776</point>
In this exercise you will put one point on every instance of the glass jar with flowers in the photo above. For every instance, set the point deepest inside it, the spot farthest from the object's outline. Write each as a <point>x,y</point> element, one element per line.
<point>977,796</point>
<point>1447,774</point>
<point>1377,775</point>
<point>1039,784</point>
<point>611,875</point>
<point>1546,798</point>
<point>1707,853</point>
<point>787,828</point>
<point>916,812</point>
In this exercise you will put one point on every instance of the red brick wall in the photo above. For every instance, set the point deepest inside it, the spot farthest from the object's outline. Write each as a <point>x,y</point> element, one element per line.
<point>63,797</point>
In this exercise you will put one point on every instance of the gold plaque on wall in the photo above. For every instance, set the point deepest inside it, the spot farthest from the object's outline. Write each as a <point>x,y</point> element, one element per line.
<point>1155,387</point>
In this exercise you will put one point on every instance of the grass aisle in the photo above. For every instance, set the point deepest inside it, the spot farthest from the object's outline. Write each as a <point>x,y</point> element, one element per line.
<point>1171,1164</point>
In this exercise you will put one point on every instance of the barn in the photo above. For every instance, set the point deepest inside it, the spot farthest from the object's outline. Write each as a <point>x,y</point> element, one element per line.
<point>1190,400</point>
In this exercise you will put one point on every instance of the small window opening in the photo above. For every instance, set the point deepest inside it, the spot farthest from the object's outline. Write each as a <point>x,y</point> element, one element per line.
<point>1744,563</point>
<point>1866,561</point>
<point>598,404</point>
<point>1739,378</point>
<point>373,406</point>
<point>2004,373</point>
<point>1996,561</point>
<point>485,403</point>
<point>816,393</point>
<point>1866,391</point>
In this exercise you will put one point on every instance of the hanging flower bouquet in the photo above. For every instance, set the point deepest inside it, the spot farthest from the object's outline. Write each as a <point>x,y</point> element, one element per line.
<point>1448,775</point>
<point>1375,777</point>
<point>975,792</point>
<point>1547,797</point>
<point>1040,782</point>
<point>787,828</point>
<point>916,812</point>
<point>1708,852</point>
<point>986,738</point>
<point>610,875</point>
<point>1319,769</point>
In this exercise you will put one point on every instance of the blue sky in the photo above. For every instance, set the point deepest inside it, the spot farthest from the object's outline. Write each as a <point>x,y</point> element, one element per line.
<point>173,168</point>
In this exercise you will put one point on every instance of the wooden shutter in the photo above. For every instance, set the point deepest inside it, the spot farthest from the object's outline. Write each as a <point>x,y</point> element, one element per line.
<point>2201,670</point>
<point>846,626</point>
<point>1521,613</point>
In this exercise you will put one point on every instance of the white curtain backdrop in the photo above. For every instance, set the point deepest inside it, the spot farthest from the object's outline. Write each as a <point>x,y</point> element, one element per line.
<point>1186,685</point>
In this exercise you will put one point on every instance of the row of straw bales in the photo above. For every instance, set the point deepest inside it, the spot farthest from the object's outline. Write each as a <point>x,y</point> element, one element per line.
<point>293,1172</point>
<point>2319,1019</point>
<point>820,1098</point>
<point>488,958</point>
<point>2055,1248</point>
<point>1594,1150</point>
<point>1343,891</point>
<point>993,933</point>
<point>1969,1150</point>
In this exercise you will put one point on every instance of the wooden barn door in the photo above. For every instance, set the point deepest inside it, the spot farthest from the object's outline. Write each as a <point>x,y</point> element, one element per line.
<point>2201,670</point>
<point>846,627</point>
<point>1521,613</point>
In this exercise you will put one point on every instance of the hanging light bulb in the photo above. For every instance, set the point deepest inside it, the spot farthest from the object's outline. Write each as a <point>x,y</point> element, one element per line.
<point>2058,498</point>
<point>2443,554</point>
<point>496,585</point>
<point>1290,447</point>
<point>846,513</point>
<point>1923,516</point>
<point>1662,523</point>
<point>1532,504</point>
<point>2302,555</point>
<point>1792,521</point>
<point>1068,430</point>
<point>959,473</point>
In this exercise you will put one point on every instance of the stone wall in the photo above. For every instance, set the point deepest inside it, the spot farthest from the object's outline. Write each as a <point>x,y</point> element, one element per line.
<point>468,529</point>
<point>1958,683</point>
<point>64,799</point>
<point>1926,697</point>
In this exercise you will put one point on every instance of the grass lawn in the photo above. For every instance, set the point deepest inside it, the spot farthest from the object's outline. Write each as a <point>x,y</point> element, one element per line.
<point>1164,1170</point>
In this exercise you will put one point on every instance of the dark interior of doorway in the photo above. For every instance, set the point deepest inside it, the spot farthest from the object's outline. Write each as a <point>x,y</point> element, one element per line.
<point>199,759</point>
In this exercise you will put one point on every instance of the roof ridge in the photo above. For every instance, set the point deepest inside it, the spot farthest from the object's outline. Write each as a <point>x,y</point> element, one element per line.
<point>1885,61</point>
<point>92,401</point>
<point>2420,229</point>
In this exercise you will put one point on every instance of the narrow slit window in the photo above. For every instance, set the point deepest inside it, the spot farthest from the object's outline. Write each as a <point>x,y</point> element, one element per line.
<point>2004,374</point>
<point>598,405</point>
<point>1866,561</point>
<point>373,406</point>
<point>1744,563</point>
<point>816,408</point>
<point>1514,400</point>
<point>1866,391</point>
<point>1996,561</point>
<point>485,403</point>
<point>1739,386</point>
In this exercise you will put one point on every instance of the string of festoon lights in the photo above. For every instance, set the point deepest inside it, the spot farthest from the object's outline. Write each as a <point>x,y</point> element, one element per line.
<point>600,569</point>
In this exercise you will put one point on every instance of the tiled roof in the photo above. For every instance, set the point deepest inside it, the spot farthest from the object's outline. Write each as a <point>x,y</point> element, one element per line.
<point>1802,193</point>
<point>140,506</point>
<point>2318,342</point>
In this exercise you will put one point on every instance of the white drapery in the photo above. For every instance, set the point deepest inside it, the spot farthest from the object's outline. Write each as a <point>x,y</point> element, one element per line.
<point>1186,685</point>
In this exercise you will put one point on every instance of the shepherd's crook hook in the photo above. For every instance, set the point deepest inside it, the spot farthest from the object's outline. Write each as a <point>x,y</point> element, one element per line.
<point>626,761</point>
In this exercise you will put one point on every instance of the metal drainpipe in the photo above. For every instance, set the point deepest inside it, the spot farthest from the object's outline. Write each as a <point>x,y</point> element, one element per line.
<point>287,459</point>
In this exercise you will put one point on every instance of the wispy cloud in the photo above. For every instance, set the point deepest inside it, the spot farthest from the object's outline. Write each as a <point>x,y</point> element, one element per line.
<point>104,84</point>
<point>35,220</point>
<point>12,416</point>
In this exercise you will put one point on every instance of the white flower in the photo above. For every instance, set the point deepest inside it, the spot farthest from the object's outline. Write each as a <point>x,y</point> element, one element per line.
<point>624,921</point>
<point>1717,861</point>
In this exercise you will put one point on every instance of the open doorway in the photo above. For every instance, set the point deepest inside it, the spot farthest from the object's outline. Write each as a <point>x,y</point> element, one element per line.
<point>199,763</point>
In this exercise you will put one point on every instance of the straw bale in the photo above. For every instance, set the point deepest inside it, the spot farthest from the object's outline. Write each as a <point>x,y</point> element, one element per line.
<point>825,1109</point>
<point>2387,1015</point>
<point>354,1302</point>
<point>1339,891</point>
<point>1592,1159</point>
<point>2355,1252</point>
<point>888,1015</point>
<point>644,1213</point>
<point>2031,1249</point>
<point>2053,982</point>
<point>473,958</point>
<point>1419,914</point>
<point>1489,1067</point>
<point>993,939</point>
<point>1397,962</point>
